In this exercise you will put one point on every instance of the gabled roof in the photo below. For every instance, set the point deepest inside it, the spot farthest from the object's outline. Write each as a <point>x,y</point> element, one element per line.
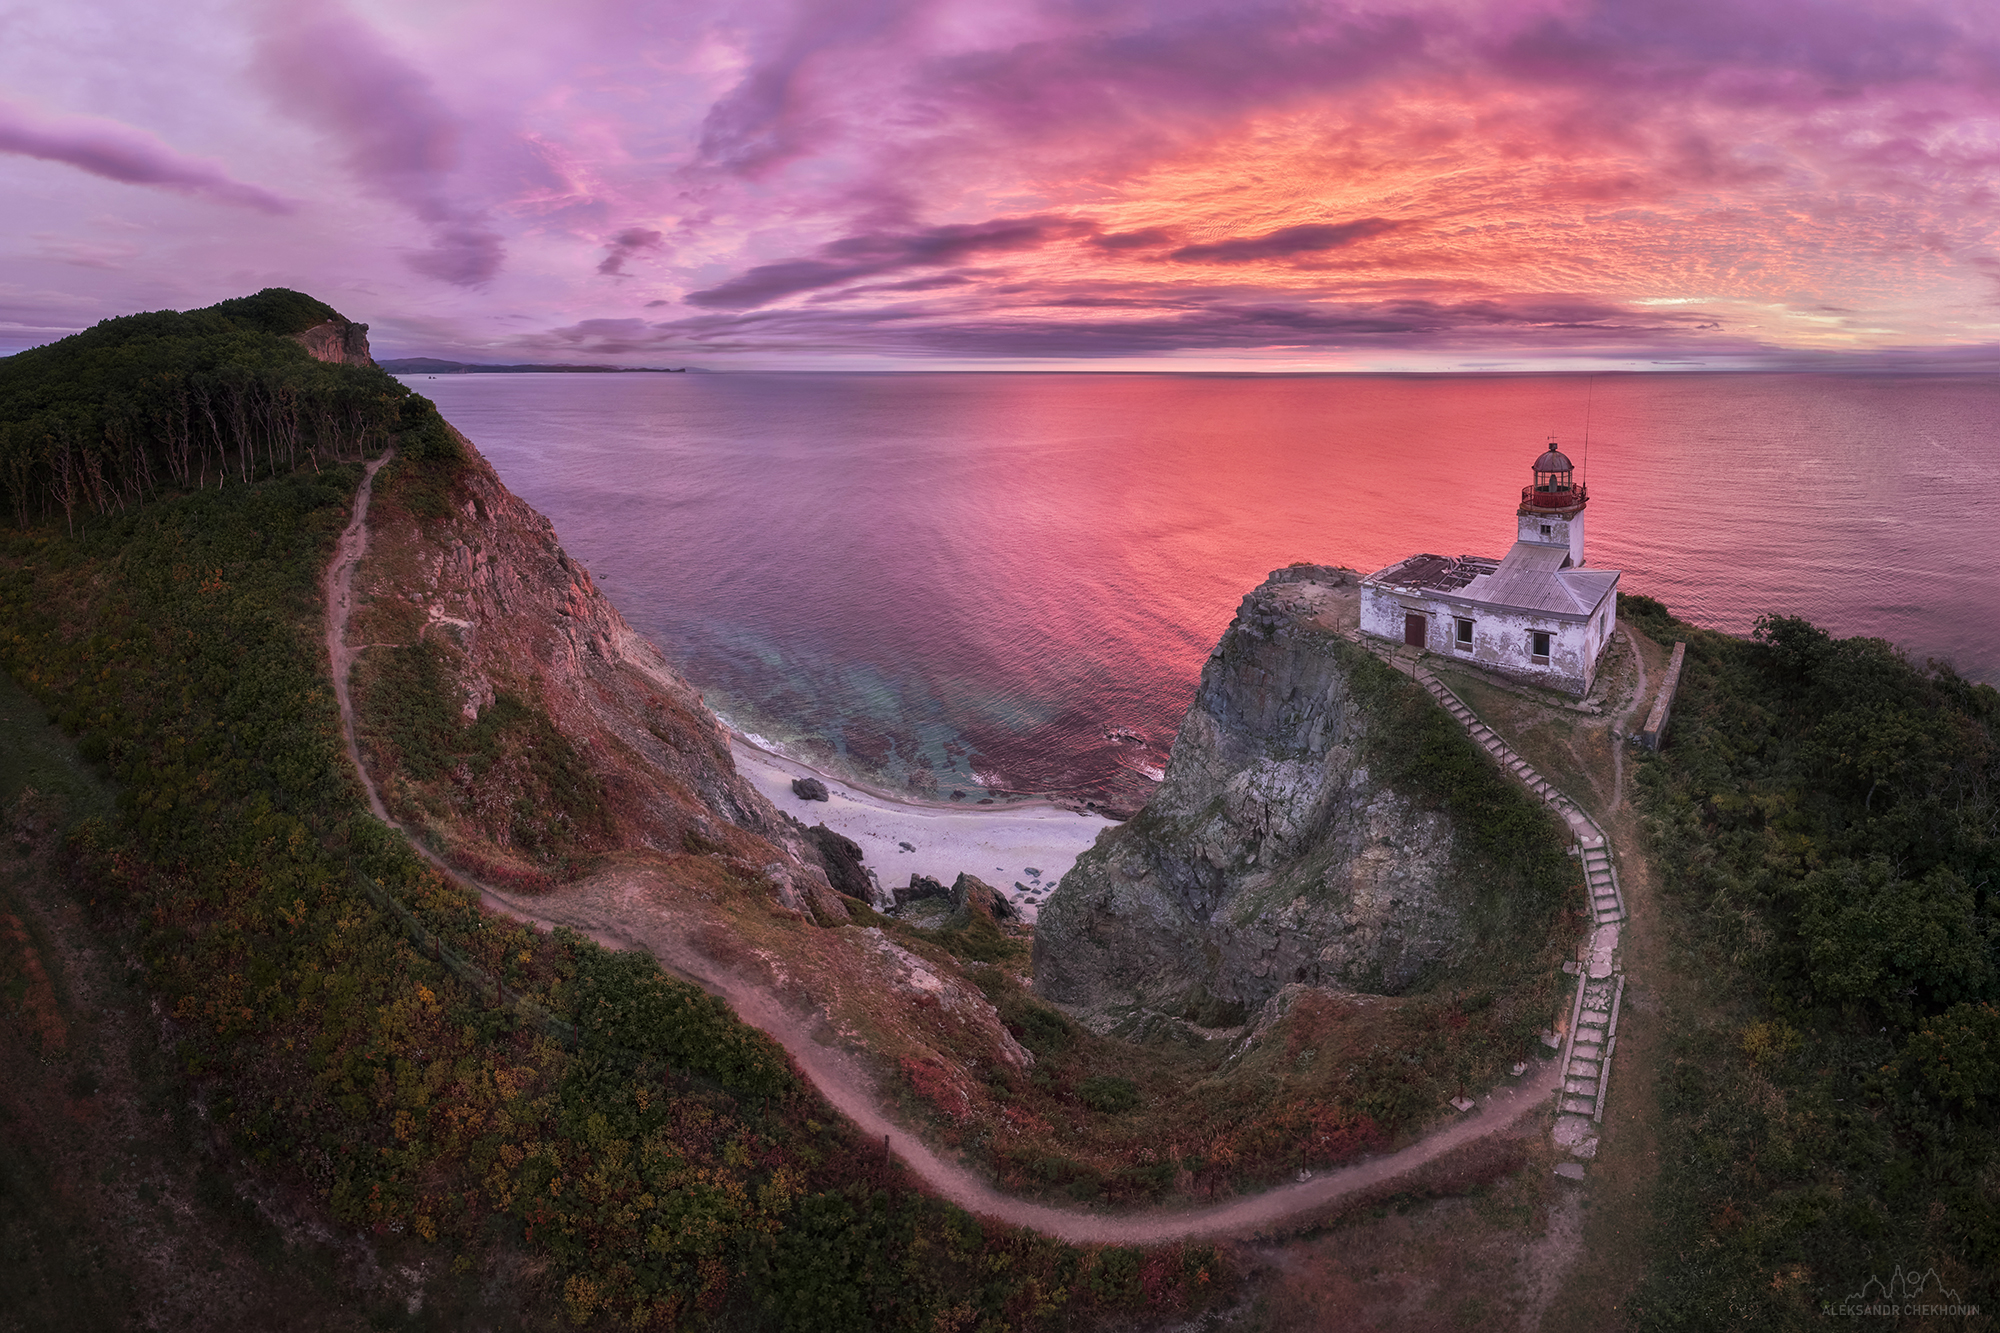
<point>1531,577</point>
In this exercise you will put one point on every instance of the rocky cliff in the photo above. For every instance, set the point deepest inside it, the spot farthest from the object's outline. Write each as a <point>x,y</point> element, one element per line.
<point>509,709</point>
<point>338,340</point>
<point>1294,839</point>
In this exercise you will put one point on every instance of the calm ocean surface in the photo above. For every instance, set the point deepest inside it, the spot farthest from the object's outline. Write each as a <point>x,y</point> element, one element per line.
<point>1010,582</point>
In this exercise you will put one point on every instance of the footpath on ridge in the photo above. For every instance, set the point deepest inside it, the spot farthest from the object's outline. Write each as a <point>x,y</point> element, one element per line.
<point>851,1089</point>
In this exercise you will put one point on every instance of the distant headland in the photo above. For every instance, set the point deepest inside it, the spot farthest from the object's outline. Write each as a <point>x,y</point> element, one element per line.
<point>427,365</point>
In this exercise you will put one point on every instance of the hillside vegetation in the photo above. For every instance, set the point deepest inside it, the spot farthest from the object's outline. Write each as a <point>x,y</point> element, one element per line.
<point>108,418</point>
<point>1824,825</point>
<point>469,1092</point>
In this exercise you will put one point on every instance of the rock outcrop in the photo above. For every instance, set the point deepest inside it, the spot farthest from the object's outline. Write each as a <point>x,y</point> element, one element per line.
<point>337,340</point>
<point>1270,855</point>
<point>842,856</point>
<point>465,569</point>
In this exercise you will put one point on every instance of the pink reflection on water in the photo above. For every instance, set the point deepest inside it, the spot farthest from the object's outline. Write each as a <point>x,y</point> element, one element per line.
<point>949,578</point>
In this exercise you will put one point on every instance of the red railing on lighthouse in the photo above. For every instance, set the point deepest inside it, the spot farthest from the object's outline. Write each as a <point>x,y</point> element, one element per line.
<point>1545,497</point>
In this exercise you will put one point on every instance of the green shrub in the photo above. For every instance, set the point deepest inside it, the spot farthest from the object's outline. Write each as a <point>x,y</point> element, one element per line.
<point>1108,1094</point>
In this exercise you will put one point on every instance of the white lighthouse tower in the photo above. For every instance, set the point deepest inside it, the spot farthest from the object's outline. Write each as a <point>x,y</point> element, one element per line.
<point>1551,512</point>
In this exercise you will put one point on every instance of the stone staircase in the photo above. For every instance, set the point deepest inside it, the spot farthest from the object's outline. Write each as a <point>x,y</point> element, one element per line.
<point>1592,1038</point>
<point>1600,874</point>
<point>1607,904</point>
<point>1593,1025</point>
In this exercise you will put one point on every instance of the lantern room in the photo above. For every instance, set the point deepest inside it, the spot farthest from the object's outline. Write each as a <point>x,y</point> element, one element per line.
<point>1554,486</point>
<point>1551,512</point>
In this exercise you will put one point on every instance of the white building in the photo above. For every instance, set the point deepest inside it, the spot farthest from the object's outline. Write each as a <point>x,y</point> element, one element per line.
<point>1537,613</point>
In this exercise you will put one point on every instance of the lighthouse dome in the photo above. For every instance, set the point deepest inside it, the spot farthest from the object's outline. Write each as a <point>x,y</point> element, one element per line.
<point>1554,460</point>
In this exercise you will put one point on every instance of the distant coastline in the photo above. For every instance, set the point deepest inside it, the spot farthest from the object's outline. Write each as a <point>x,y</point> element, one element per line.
<point>426,365</point>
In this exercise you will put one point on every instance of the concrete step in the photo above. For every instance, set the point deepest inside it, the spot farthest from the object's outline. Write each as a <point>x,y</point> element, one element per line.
<point>1580,1105</point>
<point>1581,1087</point>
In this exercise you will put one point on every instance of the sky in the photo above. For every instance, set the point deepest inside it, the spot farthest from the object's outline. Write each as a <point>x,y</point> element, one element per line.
<point>1459,185</point>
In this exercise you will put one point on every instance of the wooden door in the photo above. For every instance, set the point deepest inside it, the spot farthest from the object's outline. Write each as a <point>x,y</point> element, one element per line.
<point>1415,629</point>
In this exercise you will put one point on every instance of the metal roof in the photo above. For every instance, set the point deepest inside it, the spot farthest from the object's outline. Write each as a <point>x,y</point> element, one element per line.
<point>1553,461</point>
<point>1531,577</point>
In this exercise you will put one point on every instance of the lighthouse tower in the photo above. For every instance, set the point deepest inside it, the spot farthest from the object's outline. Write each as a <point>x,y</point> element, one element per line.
<point>1551,512</point>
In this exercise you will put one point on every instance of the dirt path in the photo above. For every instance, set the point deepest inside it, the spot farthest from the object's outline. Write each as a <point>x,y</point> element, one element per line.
<point>1624,727</point>
<point>850,1088</point>
<point>347,555</point>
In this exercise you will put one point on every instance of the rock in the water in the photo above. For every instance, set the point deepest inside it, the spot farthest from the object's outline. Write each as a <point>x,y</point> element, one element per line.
<point>809,789</point>
<point>921,886</point>
<point>843,863</point>
<point>1270,855</point>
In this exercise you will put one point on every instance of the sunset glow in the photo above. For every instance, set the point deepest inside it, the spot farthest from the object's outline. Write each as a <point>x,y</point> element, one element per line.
<point>858,183</point>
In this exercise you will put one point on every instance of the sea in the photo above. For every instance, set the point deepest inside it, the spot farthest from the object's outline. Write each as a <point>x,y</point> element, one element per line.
<point>967,586</point>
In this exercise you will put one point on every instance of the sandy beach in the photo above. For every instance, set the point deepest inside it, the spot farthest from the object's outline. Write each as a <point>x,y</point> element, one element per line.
<point>1021,849</point>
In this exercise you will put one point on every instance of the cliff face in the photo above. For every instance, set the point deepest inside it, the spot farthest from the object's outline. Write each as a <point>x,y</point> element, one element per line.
<point>511,718</point>
<point>468,595</point>
<point>337,340</point>
<point>1270,855</point>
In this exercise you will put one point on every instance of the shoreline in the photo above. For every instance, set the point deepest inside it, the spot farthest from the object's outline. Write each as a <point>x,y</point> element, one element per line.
<point>1020,847</point>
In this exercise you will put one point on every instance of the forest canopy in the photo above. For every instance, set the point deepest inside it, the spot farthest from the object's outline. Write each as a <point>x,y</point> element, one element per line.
<point>109,417</point>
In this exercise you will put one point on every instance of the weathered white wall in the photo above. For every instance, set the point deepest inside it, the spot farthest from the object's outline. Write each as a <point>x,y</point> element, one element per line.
<point>1500,639</point>
<point>1561,532</point>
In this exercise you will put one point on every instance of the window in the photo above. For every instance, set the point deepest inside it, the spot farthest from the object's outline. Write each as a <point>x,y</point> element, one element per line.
<point>1463,638</point>
<point>1546,529</point>
<point>1539,643</point>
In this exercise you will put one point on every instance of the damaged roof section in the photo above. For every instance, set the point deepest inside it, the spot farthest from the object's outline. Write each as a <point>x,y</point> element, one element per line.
<point>1436,573</point>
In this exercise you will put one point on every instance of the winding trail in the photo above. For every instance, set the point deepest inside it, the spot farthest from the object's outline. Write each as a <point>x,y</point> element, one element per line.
<point>840,1077</point>
<point>1624,727</point>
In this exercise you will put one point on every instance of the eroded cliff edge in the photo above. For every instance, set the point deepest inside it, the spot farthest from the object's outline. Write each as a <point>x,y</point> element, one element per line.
<point>515,717</point>
<point>1321,823</point>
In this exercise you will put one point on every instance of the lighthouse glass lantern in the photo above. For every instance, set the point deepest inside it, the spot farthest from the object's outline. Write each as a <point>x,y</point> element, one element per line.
<point>1551,512</point>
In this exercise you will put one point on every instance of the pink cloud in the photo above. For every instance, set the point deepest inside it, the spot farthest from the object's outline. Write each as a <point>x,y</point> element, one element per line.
<point>1306,238</point>
<point>626,244</point>
<point>131,156</point>
<point>326,68</point>
<point>869,254</point>
<point>1105,177</point>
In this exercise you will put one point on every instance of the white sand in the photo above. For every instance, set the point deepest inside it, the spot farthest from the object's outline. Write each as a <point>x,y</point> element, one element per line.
<point>1004,845</point>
